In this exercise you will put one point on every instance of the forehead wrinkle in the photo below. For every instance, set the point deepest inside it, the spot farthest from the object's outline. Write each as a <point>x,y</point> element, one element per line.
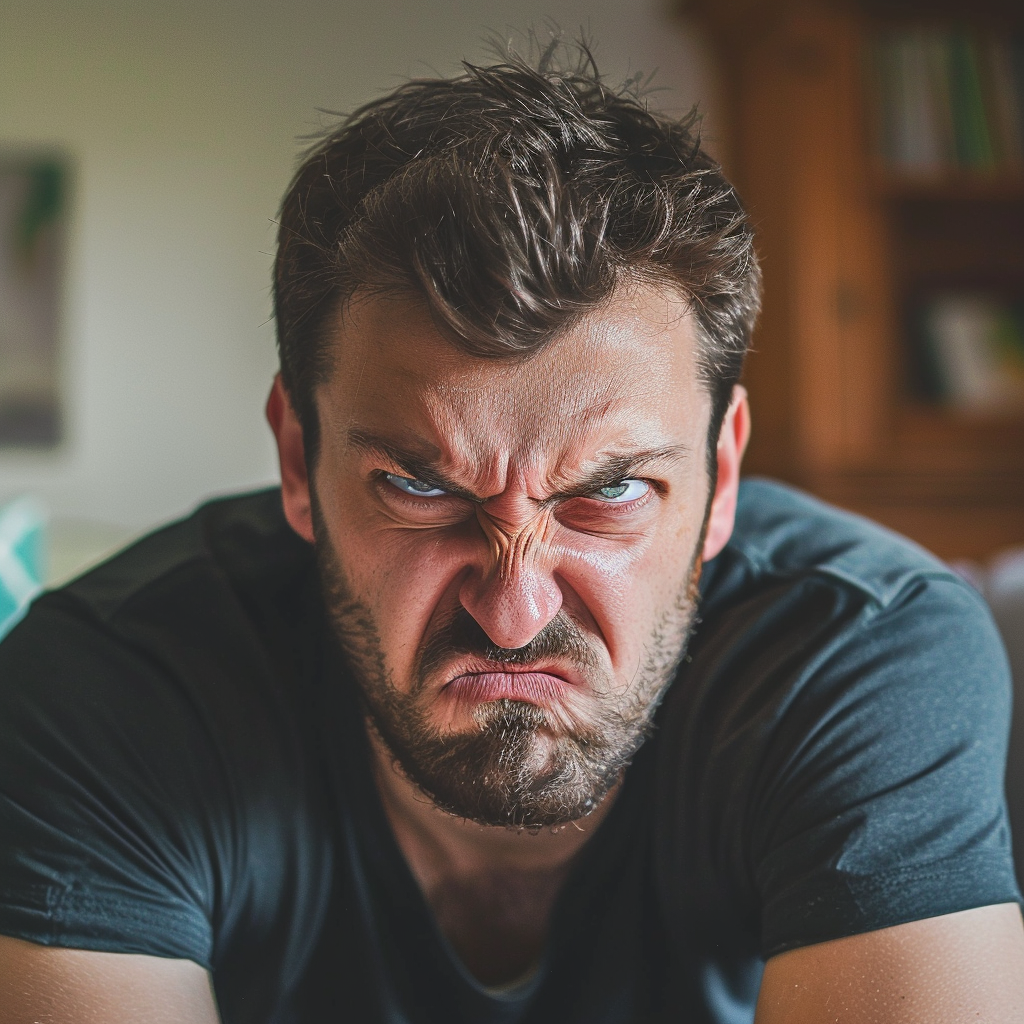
<point>408,453</point>
<point>602,441</point>
<point>468,450</point>
<point>545,422</point>
<point>611,425</point>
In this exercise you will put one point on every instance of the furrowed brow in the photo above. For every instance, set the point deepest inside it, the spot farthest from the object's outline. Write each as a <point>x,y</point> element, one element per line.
<point>614,468</point>
<point>418,460</point>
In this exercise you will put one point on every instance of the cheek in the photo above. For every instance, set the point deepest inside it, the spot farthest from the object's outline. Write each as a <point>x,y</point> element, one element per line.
<point>408,578</point>
<point>624,589</point>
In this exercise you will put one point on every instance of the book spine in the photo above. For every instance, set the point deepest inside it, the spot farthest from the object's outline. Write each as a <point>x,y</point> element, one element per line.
<point>926,150</point>
<point>905,148</point>
<point>976,343</point>
<point>910,122</point>
<point>1003,103</point>
<point>1016,59</point>
<point>973,140</point>
<point>947,100</point>
<point>938,63</point>
<point>882,95</point>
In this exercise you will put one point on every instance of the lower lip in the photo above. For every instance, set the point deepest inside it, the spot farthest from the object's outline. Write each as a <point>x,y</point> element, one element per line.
<point>532,687</point>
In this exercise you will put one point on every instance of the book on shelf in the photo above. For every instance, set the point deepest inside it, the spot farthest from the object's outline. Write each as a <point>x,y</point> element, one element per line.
<point>970,352</point>
<point>948,100</point>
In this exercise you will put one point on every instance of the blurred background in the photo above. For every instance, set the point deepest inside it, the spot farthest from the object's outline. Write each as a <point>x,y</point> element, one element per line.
<point>880,147</point>
<point>159,138</point>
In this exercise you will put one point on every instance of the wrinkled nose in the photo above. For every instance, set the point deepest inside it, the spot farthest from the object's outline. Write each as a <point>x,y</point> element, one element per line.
<point>512,608</point>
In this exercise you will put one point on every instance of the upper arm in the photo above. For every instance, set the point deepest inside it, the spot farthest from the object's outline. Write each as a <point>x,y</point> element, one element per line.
<point>51,985</point>
<point>109,794</point>
<point>953,968</point>
<point>881,795</point>
<point>156,795</point>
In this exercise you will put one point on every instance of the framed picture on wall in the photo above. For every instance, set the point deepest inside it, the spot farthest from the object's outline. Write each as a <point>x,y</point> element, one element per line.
<point>33,218</point>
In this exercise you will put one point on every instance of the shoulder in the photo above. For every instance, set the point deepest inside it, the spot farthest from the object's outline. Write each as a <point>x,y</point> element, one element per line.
<point>153,746</point>
<point>195,616</point>
<point>833,748</point>
<point>784,534</point>
<point>809,605</point>
<point>195,634</point>
<point>227,584</point>
<point>803,575</point>
<point>243,542</point>
<point>806,594</point>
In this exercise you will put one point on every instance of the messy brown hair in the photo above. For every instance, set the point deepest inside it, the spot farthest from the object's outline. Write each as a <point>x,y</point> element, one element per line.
<point>514,198</point>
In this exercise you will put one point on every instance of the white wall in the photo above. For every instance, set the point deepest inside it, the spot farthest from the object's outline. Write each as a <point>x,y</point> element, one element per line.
<point>181,118</point>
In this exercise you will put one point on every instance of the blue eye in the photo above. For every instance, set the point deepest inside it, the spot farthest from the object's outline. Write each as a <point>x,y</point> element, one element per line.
<point>417,488</point>
<point>623,491</point>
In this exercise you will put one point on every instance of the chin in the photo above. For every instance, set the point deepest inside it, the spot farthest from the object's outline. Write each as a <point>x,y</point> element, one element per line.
<point>515,767</point>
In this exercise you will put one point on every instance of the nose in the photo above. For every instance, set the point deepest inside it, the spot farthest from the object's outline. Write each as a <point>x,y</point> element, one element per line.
<point>511,607</point>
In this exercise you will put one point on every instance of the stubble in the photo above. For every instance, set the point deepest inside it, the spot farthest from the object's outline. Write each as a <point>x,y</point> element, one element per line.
<point>522,766</point>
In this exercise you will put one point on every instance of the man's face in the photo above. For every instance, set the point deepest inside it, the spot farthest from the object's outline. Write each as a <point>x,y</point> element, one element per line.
<point>510,548</point>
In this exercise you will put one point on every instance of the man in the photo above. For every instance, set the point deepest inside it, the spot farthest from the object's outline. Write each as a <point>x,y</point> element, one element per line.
<point>512,704</point>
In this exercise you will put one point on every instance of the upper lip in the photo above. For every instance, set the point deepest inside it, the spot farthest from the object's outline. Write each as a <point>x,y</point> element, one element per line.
<point>480,666</point>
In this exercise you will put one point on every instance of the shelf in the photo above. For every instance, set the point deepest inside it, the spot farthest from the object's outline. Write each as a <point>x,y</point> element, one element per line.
<point>943,417</point>
<point>955,442</point>
<point>853,251</point>
<point>739,18</point>
<point>932,11</point>
<point>950,186</point>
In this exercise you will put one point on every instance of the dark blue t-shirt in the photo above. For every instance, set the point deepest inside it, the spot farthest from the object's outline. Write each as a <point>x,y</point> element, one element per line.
<point>183,773</point>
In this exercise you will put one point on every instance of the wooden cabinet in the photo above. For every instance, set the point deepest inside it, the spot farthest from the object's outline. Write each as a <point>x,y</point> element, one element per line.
<point>844,243</point>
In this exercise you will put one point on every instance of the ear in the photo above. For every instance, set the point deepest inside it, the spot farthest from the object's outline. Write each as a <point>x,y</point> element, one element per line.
<point>732,442</point>
<point>292,458</point>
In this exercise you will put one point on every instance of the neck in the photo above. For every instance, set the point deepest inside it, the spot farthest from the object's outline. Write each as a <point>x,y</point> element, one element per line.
<point>491,889</point>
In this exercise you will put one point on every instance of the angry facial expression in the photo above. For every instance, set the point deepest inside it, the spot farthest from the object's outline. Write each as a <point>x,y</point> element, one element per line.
<point>510,548</point>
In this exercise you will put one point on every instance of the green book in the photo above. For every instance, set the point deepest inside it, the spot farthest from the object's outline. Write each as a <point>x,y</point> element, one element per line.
<point>972,134</point>
<point>1016,48</point>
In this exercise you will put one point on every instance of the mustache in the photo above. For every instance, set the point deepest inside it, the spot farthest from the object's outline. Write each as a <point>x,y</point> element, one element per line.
<point>462,634</point>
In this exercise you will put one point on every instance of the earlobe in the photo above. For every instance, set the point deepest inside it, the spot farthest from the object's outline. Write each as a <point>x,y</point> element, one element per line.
<point>291,456</point>
<point>732,442</point>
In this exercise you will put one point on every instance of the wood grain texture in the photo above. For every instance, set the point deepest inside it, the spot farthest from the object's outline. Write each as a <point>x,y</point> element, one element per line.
<point>845,246</point>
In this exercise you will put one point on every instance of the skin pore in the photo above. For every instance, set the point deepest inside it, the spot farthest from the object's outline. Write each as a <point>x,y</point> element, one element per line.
<point>510,551</point>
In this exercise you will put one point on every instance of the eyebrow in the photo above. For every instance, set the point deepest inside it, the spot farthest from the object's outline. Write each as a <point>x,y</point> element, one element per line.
<point>420,459</point>
<point>614,468</point>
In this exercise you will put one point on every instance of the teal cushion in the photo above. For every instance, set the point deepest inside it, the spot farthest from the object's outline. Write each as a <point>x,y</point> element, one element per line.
<point>22,556</point>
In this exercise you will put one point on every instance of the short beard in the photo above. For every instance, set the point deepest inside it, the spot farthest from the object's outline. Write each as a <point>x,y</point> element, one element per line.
<point>526,767</point>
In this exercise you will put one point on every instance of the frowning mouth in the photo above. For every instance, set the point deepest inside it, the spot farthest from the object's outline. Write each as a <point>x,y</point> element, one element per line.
<point>531,686</point>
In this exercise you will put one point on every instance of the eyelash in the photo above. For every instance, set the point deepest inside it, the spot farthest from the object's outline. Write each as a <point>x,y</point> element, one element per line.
<point>391,478</point>
<point>394,494</point>
<point>627,481</point>
<point>624,508</point>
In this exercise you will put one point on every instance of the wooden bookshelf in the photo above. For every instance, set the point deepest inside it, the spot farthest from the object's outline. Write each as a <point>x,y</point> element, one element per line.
<point>845,242</point>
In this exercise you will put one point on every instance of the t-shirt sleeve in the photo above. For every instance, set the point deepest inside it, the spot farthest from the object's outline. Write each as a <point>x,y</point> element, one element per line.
<point>881,797</point>
<point>106,782</point>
